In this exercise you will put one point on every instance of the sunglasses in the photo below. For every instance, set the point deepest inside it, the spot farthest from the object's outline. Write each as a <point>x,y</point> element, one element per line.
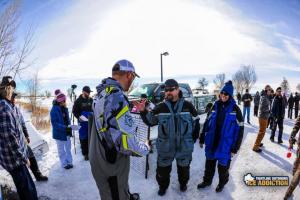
<point>170,89</point>
<point>225,93</point>
<point>278,90</point>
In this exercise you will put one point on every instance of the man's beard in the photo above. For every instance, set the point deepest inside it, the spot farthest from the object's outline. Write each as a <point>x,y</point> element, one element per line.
<point>170,97</point>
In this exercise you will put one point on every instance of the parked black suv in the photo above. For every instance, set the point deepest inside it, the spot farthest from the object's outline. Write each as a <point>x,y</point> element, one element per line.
<point>155,92</point>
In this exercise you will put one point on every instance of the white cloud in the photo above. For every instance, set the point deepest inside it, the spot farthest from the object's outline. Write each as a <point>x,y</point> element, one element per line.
<point>292,49</point>
<point>201,38</point>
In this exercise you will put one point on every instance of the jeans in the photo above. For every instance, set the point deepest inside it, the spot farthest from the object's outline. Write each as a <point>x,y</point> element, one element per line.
<point>64,152</point>
<point>246,110</point>
<point>24,183</point>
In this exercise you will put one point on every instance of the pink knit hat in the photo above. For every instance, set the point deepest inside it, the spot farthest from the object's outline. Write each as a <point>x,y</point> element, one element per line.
<point>60,97</point>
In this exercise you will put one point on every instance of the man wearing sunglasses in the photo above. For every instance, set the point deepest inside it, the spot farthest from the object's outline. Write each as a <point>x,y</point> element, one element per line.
<point>13,150</point>
<point>278,112</point>
<point>178,130</point>
<point>114,135</point>
<point>222,134</point>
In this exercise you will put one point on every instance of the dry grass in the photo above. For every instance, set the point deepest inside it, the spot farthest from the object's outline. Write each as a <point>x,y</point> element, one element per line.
<point>40,116</point>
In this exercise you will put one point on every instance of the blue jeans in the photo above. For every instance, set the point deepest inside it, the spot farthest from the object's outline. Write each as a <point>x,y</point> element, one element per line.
<point>246,110</point>
<point>24,183</point>
<point>64,152</point>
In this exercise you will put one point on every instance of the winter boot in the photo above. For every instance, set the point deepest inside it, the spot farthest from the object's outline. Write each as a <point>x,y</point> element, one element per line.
<point>161,191</point>
<point>219,188</point>
<point>203,185</point>
<point>183,188</point>
<point>35,170</point>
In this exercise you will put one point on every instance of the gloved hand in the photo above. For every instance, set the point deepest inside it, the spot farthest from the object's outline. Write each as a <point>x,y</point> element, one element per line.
<point>69,131</point>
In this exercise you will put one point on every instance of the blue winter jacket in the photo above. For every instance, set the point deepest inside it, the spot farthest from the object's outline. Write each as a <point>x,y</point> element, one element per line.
<point>59,127</point>
<point>83,131</point>
<point>231,133</point>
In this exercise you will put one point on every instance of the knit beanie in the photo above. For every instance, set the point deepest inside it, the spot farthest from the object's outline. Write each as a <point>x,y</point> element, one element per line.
<point>228,88</point>
<point>60,97</point>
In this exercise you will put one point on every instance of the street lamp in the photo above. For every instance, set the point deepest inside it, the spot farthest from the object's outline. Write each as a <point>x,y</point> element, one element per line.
<point>161,65</point>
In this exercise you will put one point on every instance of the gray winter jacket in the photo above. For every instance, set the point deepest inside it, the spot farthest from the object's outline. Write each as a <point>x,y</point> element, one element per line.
<point>264,106</point>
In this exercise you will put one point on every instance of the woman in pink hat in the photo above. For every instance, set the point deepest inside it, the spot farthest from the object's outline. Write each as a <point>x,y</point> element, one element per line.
<point>61,131</point>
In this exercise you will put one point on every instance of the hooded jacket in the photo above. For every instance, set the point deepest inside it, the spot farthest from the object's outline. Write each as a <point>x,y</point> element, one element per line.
<point>264,105</point>
<point>113,120</point>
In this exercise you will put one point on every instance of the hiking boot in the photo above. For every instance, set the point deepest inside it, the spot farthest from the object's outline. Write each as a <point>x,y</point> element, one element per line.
<point>272,139</point>
<point>280,141</point>
<point>203,185</point>
<point>161,192</point>
<point>261,144</point>
<point>248,122</point>
<point>257,150</point>
<point>219,188</point>
<point>183,188</point>
<point>86,157</point>
<point>69,166</point>
<point>41,177</point>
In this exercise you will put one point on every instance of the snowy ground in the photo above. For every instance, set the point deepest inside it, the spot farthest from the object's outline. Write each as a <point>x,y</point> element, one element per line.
<point>78,182</point>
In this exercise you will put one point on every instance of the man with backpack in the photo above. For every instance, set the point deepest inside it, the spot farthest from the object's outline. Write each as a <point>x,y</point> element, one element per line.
<point>113,135</point>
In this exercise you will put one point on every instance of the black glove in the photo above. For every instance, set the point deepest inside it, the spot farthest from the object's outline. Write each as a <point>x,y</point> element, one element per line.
<point>69,131</point>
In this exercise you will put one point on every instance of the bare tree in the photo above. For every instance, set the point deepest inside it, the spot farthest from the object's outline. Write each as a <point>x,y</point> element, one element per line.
<point>13,55</point>
<point>298,87</point>
<point>47,93</point>
<point>237,80</point>
<point>285,86</point>
<point>202,83</point>
<point>219,81</point>
<point>244,78</point>
<point>33,87</point>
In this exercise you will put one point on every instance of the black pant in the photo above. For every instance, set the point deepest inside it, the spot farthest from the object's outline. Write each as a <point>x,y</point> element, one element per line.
<point>296,111</point>
<point>163,175</point>
<point>270,122</point>
<point>84,147</point>
<point>290,112</point>
<point>255,111</point>
<point>24,183</point>
<point>210,168</point>
<point>277,122</point>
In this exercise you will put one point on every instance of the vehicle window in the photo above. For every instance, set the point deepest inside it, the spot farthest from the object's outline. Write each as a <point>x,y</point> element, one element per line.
<point>143,89</point>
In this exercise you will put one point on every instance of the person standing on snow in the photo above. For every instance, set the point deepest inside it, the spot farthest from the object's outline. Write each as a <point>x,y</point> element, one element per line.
<point>33,163</point>
<point>271,120</point>
<point>13,149</point>
<point>264,114</point>
<point>291,106</point>
<point>256,103</point>
<point>61,132</point>
<point>114,135</point>
<point>277,112</point>
<point>239,98</point>
<point>296,169</point>
<point>82,108</point>
<point>178,130</point>
<point>296,101</point>
<point>222,134</point>
<point>247,98</point>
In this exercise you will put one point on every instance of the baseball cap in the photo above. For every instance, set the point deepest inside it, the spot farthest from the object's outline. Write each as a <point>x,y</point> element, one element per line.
<point>124,65</point>
<point>87,89</point>
<point>7,80</point>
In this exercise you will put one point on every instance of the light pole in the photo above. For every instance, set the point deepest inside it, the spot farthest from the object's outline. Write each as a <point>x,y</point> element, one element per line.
<point>161,65</point>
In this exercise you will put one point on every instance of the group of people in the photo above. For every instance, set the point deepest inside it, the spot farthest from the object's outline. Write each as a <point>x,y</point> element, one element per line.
<point>15,152</point>
<point>113,135</point>
<point>108,134</point>
<point>61,124</point>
